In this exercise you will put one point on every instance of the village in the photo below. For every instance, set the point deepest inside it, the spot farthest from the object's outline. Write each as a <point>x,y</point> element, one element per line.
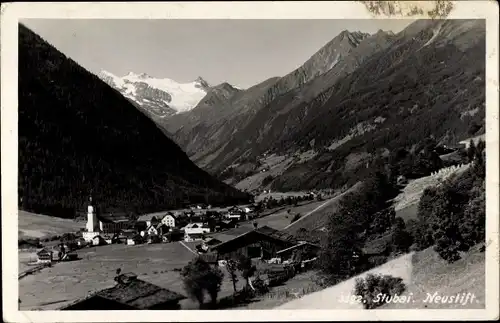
<point>216,235</point>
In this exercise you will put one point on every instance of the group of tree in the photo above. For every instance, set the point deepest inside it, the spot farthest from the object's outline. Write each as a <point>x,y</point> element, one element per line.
<point>200,278</point>
<point>358,213</point>
<point>451,217</point>
<point>271,202</point>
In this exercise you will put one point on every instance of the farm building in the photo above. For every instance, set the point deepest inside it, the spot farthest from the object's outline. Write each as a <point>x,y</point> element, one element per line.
<point>261,243</point>
<point>210,258</point>
<point>299,252</point>
<point>45,256</point>
<point>210,242</point>
<point>147,220</point>
<point>130,293</point>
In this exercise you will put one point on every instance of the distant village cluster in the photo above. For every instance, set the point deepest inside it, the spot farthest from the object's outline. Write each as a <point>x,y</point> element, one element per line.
<point>192,224</point>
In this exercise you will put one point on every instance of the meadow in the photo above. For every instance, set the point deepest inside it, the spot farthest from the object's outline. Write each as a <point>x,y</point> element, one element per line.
<point>65,282</point>
<point>33,225</point>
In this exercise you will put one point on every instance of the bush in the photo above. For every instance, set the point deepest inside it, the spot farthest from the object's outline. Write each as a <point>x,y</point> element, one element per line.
<point>198,276</point>
<point>374,287</point>
<point>295,217</point>
<point>267,180</point>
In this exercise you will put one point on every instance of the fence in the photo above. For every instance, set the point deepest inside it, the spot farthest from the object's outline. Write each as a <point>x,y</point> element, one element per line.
<point>293,293</point>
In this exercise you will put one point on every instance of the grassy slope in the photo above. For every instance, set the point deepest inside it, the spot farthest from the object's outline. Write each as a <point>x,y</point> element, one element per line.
<point>317,217</point>
<point>433,274</point>
<point>422,272</point>
<point>33,225</point>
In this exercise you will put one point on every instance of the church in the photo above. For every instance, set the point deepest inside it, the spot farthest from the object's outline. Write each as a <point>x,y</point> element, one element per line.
<point>100,224</point>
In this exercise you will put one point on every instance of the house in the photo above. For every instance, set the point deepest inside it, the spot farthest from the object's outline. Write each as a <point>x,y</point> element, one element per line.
<point>169,219</point>
<point>163,229</point>
<point>196,228</point>
<point>263,243</point>
<point>190,237</point>
<point>209,242</point>
<point>98,241</point>
<point>129,293</point>
<point>135,239</point>
<point>45,256</point>
<point>130,237</point>
<point>152,230</point>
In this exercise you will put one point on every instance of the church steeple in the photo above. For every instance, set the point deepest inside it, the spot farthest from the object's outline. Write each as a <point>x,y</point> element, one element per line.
<point>92,224</point>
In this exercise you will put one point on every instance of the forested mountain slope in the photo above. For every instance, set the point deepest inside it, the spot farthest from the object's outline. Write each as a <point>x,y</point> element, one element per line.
<point>77,135</point>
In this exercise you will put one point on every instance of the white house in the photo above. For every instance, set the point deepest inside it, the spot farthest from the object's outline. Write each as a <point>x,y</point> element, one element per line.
<point>195,231</point>
<point>196,228</point>
<point>152,230</point>
<point>169,219</point>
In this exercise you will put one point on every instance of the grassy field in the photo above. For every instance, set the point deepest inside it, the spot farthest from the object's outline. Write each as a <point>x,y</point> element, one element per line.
<point>297,286</point>
<point>432,274</point>
<point>65,282</point>
<point>316,216</point>
<point>33,225</point>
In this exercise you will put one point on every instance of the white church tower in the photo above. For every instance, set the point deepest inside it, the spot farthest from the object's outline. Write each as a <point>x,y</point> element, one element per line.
<point>92,222</point>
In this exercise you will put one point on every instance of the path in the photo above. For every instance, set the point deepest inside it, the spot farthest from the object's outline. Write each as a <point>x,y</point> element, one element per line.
<point>330,298</point>
<point>182,243</point>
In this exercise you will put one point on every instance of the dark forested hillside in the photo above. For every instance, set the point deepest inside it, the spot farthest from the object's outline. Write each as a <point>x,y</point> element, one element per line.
<point>77,135</point>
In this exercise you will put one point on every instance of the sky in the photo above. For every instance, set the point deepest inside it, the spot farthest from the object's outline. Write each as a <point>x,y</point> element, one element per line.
<point>240,52</point>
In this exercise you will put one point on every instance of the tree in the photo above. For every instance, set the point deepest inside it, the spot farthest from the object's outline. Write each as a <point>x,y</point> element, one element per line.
<point>199,277</point>
<point>295,218</point>
<point>232,267</point>
<point>373,286</point>
<point>340,249</point>
<point>471,151</point>
<point>246,267</point>
<point>401,239</point>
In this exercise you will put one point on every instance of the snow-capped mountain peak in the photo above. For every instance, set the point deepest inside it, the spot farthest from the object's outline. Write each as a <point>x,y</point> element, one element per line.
<point>159,96</point>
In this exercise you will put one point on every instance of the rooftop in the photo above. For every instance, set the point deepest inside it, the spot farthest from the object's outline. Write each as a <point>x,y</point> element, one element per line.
<point>136,293</point>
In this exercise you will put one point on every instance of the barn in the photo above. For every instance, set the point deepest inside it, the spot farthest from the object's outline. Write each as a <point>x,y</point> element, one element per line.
<point>262,243</point>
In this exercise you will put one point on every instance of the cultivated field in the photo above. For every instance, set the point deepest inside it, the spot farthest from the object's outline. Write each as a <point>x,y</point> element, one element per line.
<point>65,282</point>
<point>33,225</point>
